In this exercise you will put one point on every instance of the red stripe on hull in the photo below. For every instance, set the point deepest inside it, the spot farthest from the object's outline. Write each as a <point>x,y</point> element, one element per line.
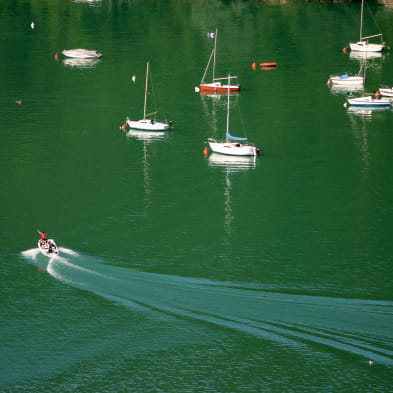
<point>219,89</point>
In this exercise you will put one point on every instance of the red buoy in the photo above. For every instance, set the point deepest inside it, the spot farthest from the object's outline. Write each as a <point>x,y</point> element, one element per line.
<point>205,151</point>
<point>268,64</point>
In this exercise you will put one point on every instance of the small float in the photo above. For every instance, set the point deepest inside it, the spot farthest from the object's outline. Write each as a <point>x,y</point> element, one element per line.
<point>267,65</point>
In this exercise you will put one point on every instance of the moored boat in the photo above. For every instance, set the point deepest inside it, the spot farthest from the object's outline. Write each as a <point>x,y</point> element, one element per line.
<point>232,145</point>
<point>345,80</point>
<point>387,92</point>
<point>147,123</point>
<point>369,101</point>
<point>363,45</point>
<point>82,53</point>
<point>216,84</point>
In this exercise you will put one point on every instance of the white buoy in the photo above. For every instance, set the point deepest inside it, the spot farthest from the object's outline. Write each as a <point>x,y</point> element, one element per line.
<point>370,362</point>
<point>133,78</point>
<point>197,89</point>
<point>32,25</point>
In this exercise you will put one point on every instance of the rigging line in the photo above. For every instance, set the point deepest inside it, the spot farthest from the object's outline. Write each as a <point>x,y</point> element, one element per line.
<point>240,117</point>
<point>372,17</point>
<point>153,94</point>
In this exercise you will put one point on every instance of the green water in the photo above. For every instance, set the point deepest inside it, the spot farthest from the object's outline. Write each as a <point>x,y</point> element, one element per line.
<point>180,272</point>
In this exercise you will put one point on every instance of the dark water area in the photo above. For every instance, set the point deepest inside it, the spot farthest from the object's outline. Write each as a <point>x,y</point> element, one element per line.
<point>180,272</point>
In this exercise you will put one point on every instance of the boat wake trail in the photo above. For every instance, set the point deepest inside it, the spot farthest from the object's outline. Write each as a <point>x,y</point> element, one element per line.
<point>361,327</point>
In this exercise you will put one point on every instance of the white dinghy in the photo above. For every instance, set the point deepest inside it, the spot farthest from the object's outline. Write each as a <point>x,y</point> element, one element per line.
<point>82,53</point>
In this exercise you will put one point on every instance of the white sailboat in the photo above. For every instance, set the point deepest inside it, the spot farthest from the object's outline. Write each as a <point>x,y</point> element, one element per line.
<point>349,81</point>
<point>216,84</point>
<point>232,145</point>
<point>346,80</point>
<point>363,45</point>
<point>148,124</point>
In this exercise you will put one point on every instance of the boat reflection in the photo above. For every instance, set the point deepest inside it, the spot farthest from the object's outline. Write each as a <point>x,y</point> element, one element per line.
<point>355,55</point>
<point>90,2</point>
<point>80,63</point>
<point>217,94</point>
<point>147,135</point>
<point>366,112</point>
<point>232,163</point>
<point>345,90</point>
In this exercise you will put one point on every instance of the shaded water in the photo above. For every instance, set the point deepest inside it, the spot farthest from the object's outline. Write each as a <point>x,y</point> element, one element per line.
<point>180,272</point>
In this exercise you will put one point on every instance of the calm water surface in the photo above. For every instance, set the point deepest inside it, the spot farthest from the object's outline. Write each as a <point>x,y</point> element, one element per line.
<point>180,272</point>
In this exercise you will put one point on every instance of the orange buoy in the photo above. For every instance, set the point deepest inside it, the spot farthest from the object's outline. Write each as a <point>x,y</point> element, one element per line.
<point>269,64</point>
<point>56,56</point>
<point>123,127</point>
<point>254,65</point>
<point>205,151</point>
<point>345,49</point>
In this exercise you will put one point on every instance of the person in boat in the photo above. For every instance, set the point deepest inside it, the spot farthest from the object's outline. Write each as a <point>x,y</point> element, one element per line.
<point>44,238</point>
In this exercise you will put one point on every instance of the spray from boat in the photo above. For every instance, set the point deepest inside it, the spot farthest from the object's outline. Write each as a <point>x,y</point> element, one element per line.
<point>360,327</point>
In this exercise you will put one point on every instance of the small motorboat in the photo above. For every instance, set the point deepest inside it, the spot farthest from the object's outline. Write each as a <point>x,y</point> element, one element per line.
<point>82,53</point>
<point>48,247</point>
<point>369,101</point>
<point>387,92</point>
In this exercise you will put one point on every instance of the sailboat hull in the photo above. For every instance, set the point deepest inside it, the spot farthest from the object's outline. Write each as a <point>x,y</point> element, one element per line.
<point>218,87</point>
<point>148,125</point>
<point>232,148</point>
<point>345,80</point>
<point>363,46</point>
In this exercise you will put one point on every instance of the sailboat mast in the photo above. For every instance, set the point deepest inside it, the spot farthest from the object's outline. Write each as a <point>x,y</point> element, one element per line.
<point>147,78</point>
<point>214,55</point>
<point>361,21</point>
<point>227,131</point>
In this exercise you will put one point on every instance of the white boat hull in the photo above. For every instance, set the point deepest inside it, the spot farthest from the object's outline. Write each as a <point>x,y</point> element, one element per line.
<point>82,53</point>
<point>48,248</point>
<point>233,148</point>
<point>369,102</point>
<point>148,125</point>
<point>344,80</point>
<point>364,46</point>
<point>386,92</point>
